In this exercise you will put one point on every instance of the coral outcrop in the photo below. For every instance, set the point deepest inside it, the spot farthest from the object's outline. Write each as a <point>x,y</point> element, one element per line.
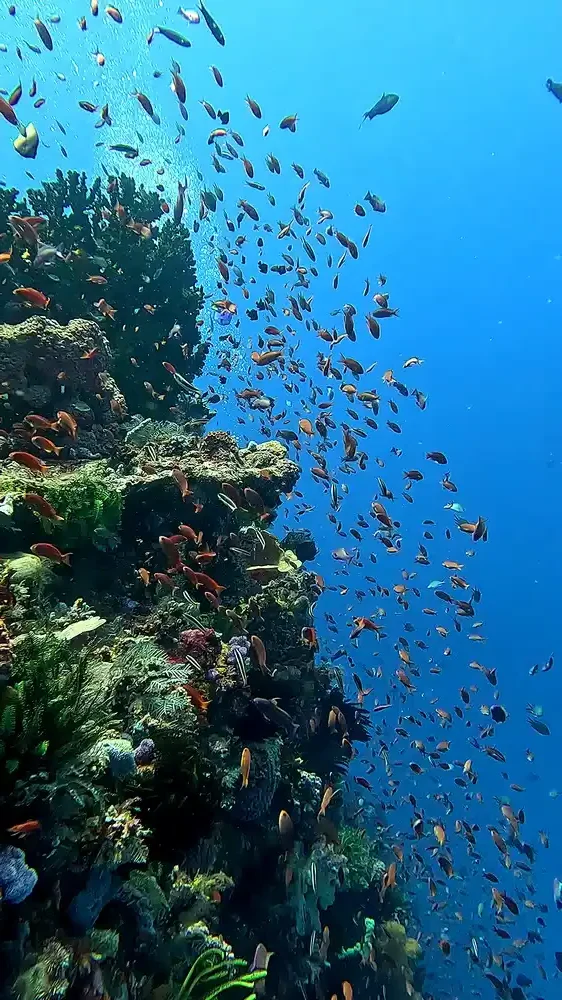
<point>46,368</point>
<point>172,751</point>
<point>90,233</point>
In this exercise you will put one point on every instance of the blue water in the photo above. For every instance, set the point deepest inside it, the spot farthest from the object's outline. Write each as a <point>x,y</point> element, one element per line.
<point>468,164</point>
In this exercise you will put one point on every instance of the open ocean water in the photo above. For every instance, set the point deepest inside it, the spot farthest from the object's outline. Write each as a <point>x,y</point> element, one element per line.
<point>468,164</point>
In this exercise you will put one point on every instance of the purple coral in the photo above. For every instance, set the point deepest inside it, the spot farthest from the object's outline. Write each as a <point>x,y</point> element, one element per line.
<point>145,753</point>
<point>238,655</point>
<point>202,644</point>
<point>17,879</point>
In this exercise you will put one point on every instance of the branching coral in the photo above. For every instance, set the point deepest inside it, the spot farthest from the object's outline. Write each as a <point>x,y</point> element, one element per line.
<point>97,239</point>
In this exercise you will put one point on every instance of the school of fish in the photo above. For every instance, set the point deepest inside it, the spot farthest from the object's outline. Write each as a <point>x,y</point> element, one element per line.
<point>396,628</point>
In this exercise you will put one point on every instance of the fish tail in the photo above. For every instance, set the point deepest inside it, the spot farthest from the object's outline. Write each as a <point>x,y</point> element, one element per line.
<point>66,558</point>
<point>245,781</point>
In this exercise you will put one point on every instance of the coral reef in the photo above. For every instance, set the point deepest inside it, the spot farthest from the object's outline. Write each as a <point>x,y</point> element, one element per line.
<point>168,747</point>
<point>47,367</point>
<point>388,949</point>
<point>95,232</point>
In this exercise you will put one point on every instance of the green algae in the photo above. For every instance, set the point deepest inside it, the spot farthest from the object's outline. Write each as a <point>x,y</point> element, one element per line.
<point>364,865</point>
<point>87,498</point>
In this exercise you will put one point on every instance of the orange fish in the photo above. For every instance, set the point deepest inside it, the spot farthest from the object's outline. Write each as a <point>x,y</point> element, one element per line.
<point>267,358</point>
<point>5,257</point>
<point>42,506</point>
<point>213,599</point>
<point>202,580</point>
<point>188,532</point>
<point>327,797</point>
<point>29,461</point>
<point>285,824</point>
<point>144,575</point>
<point>8,112</point>
<point>47,551</point>
<point>388,879</point>
<point>105,309</point>
<point>140,228</point>
<point>182,483</point>
<point>197,698</point>
<point>22,829</point>
<point>66,421</point>
<point>170,550</point>
<point>88,355</point>
<point>245,763</point>
<point>440,834</point>
<point>33,297</point>
<point>259,650</point>
<point>49,447</point>
<point>309,636</point>
<point>39,423</point>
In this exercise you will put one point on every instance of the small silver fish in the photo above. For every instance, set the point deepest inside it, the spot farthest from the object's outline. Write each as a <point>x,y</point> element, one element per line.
<point>47,255</point>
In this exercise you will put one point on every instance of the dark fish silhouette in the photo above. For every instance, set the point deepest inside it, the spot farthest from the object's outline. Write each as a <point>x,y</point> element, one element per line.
<point>555,88</point>
<point>212,25</point>
<point>382,107</point>
<point>174,36</point>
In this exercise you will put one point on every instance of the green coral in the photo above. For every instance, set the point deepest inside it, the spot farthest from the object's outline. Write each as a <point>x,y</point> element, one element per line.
<point>317,877</point>
<point>88,498</point>
<point>270,560</point>
<point>56,708</point>
<point>206,883</point>
<point>213,974</point>
<point>49,977</point>
<point>104,943</point>
<point>399,946</point>
<point>29,572</point>
<point>390,951</point>
<point>362,949</point>
<point>364,866</point>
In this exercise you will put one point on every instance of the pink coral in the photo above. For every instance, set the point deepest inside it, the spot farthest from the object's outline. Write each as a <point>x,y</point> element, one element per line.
<point>202,644</point>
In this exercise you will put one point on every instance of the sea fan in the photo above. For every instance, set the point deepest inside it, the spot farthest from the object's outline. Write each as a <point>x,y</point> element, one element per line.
<point>58,708</point>
<point>165,697</point>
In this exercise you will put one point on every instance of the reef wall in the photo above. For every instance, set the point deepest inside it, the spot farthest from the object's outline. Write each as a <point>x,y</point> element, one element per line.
<point>173,757</point>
